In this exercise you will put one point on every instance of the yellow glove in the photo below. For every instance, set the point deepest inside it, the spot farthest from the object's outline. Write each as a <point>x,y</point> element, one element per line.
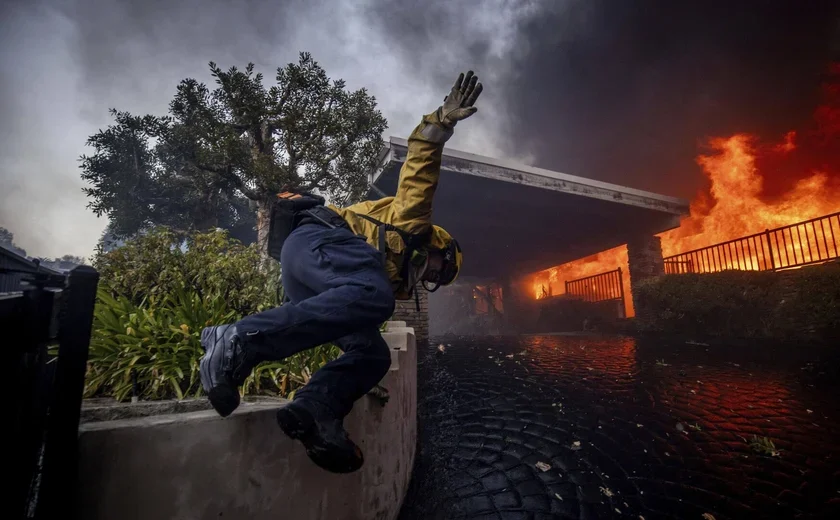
<point>458,105</point>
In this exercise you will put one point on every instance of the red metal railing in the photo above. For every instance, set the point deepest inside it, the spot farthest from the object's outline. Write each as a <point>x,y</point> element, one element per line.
<point>598,288</point>
<point>804,243</point>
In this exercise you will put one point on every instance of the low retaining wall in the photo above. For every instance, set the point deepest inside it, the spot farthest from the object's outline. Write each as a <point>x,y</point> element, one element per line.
<point>196,465</point>
<point>568,314</point>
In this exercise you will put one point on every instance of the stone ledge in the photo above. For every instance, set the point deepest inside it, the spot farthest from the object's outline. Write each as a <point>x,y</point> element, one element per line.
<point>196,465</point>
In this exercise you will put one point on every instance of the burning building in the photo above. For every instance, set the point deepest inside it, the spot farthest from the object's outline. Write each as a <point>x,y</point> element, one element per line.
<point>527,219</point>
<point>753,187</point>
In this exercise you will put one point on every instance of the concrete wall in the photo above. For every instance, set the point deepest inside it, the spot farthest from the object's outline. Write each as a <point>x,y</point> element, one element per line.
<point>522,309</point>
<point>568,314</point>
<point>199,466</point>
<point>407,311</point>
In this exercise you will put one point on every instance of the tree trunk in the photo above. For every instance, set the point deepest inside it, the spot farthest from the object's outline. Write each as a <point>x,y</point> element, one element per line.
<point>263,216</point>
<point>207,215</point>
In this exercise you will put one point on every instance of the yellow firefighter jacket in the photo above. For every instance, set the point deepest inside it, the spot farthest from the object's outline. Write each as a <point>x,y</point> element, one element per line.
<point>410,209</point>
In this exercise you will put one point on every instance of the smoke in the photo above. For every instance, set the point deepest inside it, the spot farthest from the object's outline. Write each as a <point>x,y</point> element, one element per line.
<point>628,92</point>
<point>618,91</point>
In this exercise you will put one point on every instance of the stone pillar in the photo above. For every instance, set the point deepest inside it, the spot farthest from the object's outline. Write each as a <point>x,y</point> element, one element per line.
<point>407,311</point>
<point>511,303</point>
<point>644,256</point>
<point>520,304</point>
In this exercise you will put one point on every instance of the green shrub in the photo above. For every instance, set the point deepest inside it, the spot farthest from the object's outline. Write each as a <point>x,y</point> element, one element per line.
<point>796,304</point>
<point>156,295</point>
<point>157,344</point>
<point>156,341</point>
<point>285,377</point>
<point>159,263</point>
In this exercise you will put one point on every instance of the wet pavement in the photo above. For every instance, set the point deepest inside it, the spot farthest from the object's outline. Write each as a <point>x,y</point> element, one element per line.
<point>612,427</point>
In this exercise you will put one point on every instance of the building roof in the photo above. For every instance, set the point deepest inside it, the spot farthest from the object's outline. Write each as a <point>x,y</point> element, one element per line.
<point>10,259</point>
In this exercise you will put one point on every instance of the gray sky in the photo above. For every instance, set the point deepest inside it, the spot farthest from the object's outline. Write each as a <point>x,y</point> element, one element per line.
<point>618,91</point>
<point>64,64</point>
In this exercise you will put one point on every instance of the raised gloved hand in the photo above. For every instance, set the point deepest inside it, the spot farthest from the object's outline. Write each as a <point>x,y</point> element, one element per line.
<point>458,105</point>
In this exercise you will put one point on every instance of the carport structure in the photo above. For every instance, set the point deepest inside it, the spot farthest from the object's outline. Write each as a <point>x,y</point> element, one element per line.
<point>512,219</point>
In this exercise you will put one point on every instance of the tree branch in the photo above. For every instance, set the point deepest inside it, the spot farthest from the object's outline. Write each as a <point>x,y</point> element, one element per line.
<point>319,135</point>
<point>324,171</point>
<point>226,172</point>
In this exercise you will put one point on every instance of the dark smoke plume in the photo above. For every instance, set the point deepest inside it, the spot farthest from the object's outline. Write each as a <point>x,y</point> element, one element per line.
<point>627,92</point>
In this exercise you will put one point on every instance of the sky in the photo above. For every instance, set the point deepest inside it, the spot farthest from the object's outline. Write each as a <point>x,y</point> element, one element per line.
<point>625,92</point>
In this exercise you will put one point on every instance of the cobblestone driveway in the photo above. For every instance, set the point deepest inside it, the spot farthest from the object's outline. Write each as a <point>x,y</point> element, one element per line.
<point>601,427</point>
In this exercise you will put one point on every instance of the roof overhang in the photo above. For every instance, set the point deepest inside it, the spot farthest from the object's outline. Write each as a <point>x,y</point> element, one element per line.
<point>513,219</point>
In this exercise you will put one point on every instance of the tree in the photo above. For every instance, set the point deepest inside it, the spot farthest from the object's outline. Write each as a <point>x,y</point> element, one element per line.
<point>6,236</point>
<point>108,241</point>
<point>223,154</point>
<point>135,189</point>
<point>7,239</point>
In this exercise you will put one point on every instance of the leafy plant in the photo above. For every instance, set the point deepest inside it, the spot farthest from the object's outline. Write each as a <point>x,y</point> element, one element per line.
<point>158,292</point>
<point>211,264</point>
<point>156,341</point>
<point>285,377</point>
<point>157,344</point>
<point>764,446</point>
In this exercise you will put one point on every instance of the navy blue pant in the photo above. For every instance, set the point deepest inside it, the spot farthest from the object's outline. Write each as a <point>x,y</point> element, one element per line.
<point>339,293</point>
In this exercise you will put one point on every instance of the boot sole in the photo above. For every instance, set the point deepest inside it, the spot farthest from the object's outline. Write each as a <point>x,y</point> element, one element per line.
<point>224,399</point>
<point>301,427</point>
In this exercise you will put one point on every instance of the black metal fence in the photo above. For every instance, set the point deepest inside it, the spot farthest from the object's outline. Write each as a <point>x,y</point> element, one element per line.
<point>50,310</point>
<point>804,243</point>
<point>601,287</point>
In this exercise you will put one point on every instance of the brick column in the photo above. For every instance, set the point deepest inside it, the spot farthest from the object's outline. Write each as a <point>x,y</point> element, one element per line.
<point>644,256</point>
<point>407,311</point>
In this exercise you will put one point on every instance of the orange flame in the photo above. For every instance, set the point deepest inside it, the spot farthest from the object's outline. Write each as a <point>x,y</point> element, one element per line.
<point>739,168</point>
<point>551,282</point>
<point>736,190</point>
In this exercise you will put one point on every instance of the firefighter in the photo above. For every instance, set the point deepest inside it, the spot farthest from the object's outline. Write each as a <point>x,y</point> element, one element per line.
<point>343,269</point>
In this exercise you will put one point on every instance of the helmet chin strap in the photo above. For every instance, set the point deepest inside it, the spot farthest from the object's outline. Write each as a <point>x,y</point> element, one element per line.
<point>418,277</point>
<point>418,273</point>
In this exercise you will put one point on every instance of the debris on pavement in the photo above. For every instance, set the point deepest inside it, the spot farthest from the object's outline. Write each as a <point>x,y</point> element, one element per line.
<point>543,466</point>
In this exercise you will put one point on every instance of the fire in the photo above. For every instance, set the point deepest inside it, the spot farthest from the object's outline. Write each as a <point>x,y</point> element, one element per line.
<point>740,169</point>
<point>551,282</point>
<point>736,191</point>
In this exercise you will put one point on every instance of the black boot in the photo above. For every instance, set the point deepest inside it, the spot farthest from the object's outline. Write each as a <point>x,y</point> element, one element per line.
<point>322,434</point>
<point>225,366</point>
